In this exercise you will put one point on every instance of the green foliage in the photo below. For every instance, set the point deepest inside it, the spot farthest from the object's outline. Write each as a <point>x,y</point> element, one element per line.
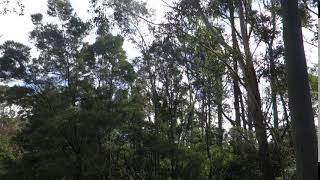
<point>84,111</point>
<point>5,151</point>
<point>313,81</point>
<point>13,60</point>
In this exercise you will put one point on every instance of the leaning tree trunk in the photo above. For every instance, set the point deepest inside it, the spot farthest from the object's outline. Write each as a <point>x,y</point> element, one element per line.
<point>254,99</point>
<point>299,93</point>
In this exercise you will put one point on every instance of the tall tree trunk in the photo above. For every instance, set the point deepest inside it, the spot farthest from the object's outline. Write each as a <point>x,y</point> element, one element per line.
<point>243,116</point>
<point>299,93</point>
<point>235,57</point>
<point>272,71</point>
<point>219,104</point>
<point>254,100</point>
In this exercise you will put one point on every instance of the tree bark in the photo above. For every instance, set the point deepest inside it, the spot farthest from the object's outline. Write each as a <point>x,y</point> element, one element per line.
<point>243,114</point>
<point>254,99</point>
<point>299,93</point>
<point>235,56</point>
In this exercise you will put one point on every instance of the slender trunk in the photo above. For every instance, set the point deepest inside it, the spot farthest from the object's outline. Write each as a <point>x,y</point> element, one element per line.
<point>235,56</point>
<point>254,101</point>
<point>243,116</point>
<point>220,124</point>
<point>219,104</point>
<point>202,120</point>
<point>299,93</point>
<point>207,129</point>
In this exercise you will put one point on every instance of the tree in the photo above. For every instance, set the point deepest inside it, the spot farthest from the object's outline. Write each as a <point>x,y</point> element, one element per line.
<point>206,98</point>
<point>299,93</point>
<point>81,101</point>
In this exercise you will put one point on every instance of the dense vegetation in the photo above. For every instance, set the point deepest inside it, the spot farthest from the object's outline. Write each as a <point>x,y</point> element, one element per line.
<point>206,99</point>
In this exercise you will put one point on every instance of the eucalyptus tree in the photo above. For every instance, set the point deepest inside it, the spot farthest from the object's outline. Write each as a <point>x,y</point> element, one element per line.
<point>299,93</point>
<point>202,12</point>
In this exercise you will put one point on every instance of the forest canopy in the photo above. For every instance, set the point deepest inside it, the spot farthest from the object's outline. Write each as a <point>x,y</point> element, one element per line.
<point>213,94</point>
